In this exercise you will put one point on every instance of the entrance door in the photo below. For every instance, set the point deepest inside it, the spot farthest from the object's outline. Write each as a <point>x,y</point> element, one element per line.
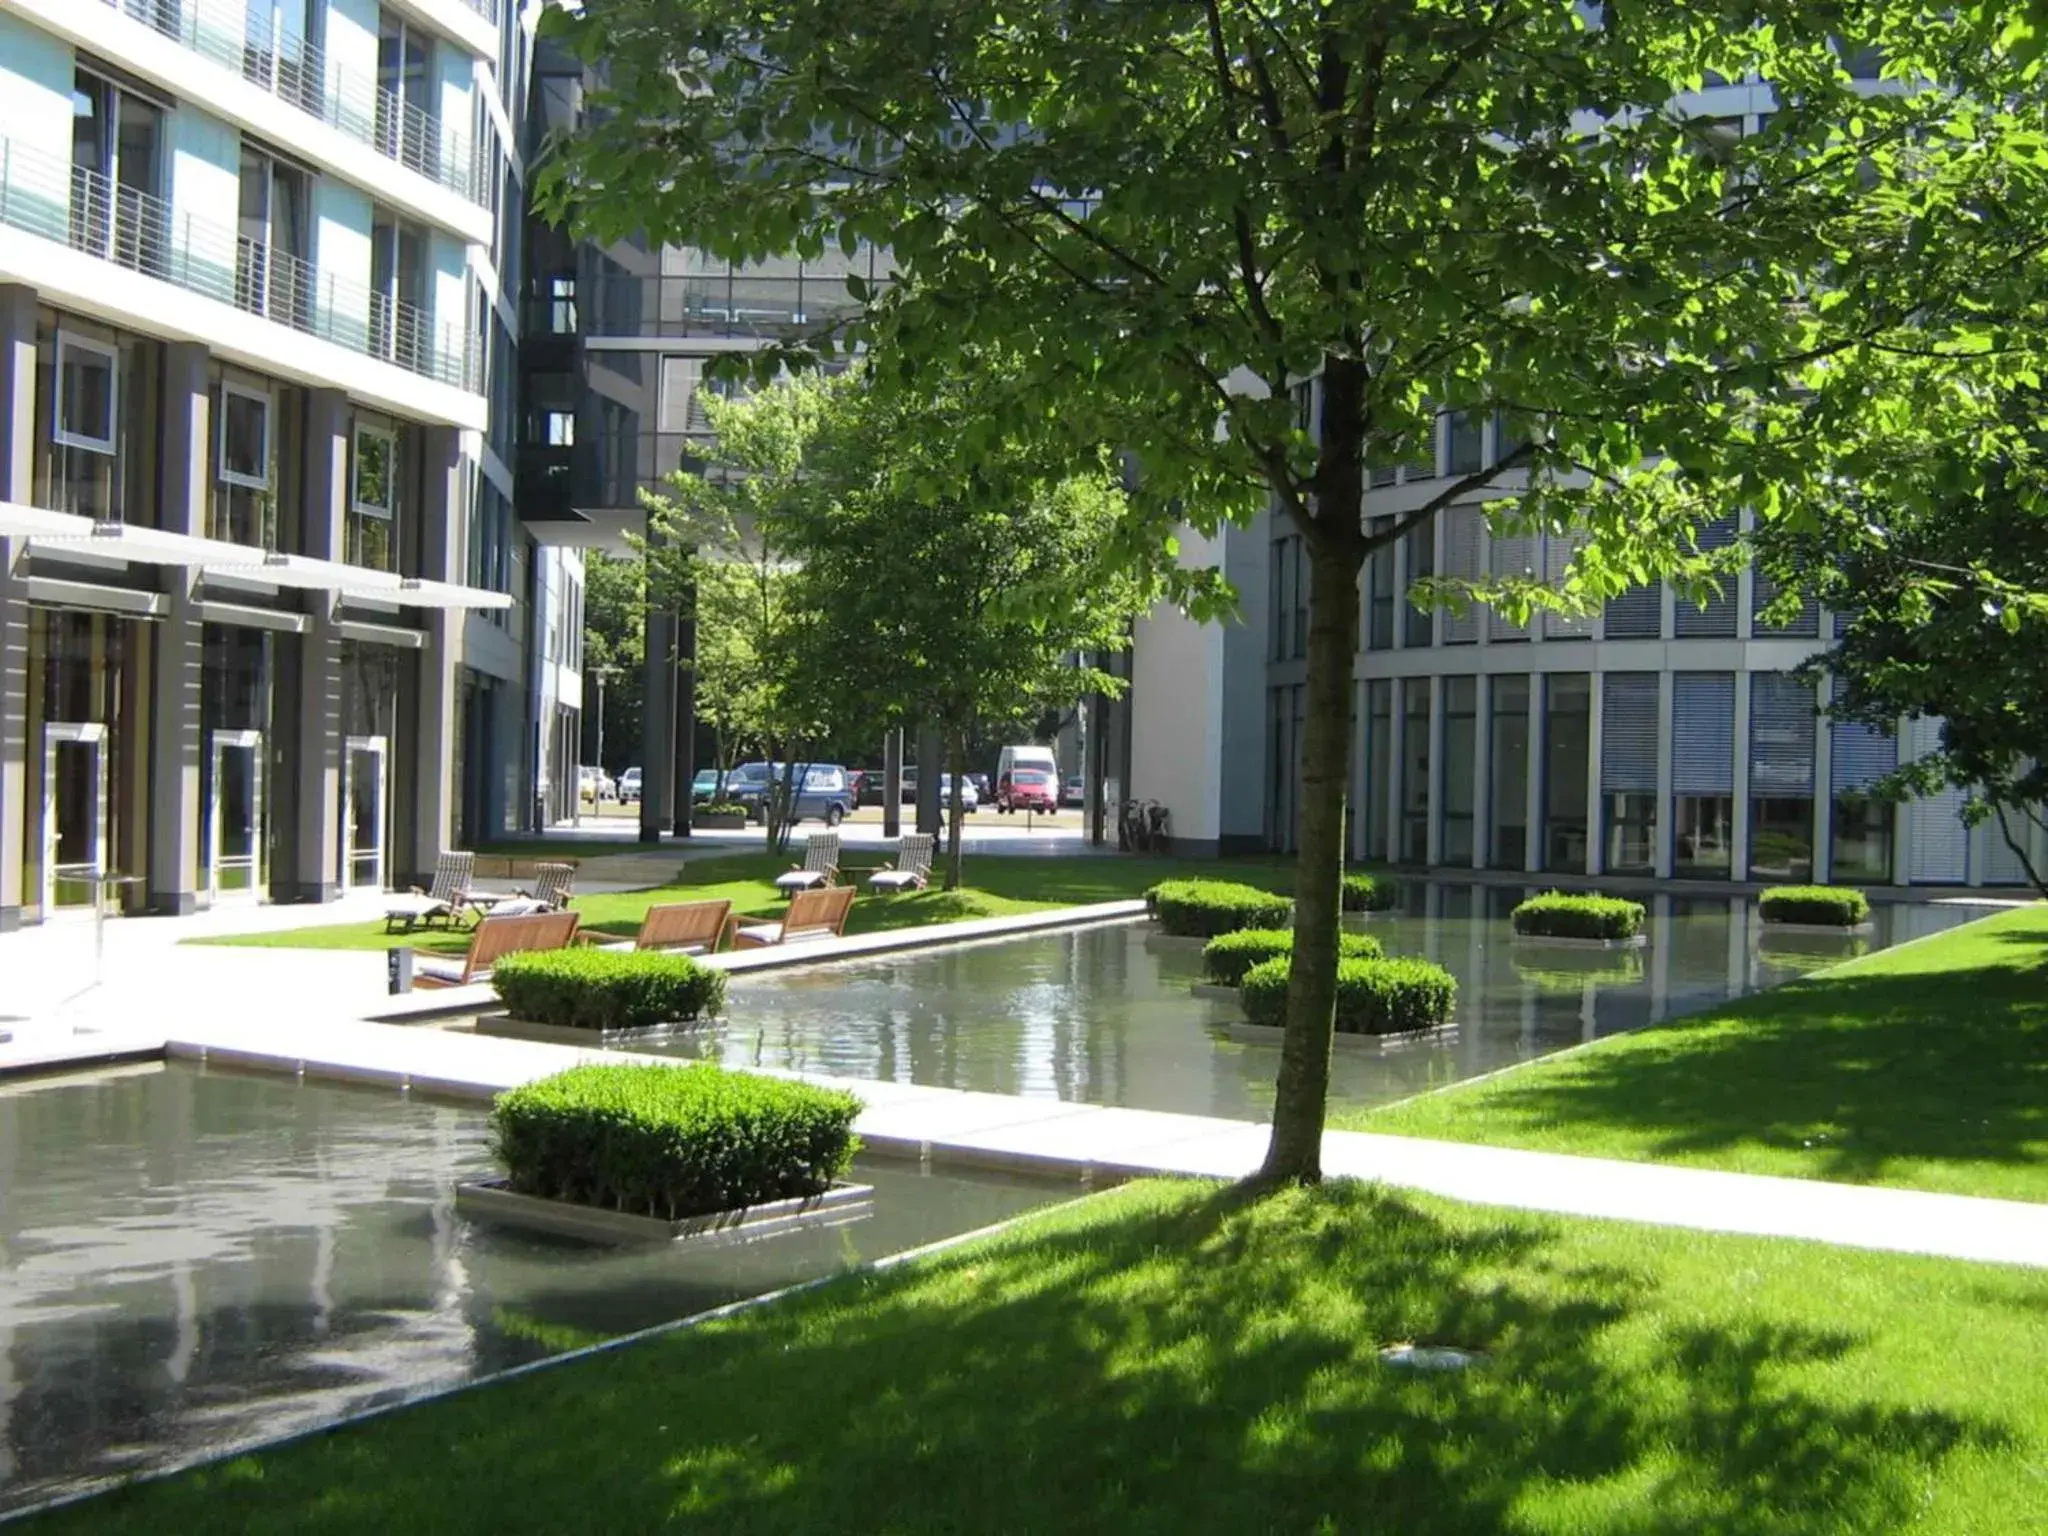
<point>235,841</point>
<point>363,814</point>
<point>75,837</point>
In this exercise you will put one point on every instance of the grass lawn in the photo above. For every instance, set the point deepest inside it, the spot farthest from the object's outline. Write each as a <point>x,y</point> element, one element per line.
<point>1925,1066</point>
<point>1000,884</point>
<point>1171,1359</point>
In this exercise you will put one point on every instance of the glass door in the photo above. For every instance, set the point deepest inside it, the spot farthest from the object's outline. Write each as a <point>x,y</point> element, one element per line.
<point>364,819</point>
<point>75,836</point>
<point>235,838</point>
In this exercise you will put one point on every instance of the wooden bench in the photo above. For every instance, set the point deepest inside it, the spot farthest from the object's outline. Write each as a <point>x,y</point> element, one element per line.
<point>811,915</point>
<point>693,927</point>
<point>820,866</point>
<point>493,939</point>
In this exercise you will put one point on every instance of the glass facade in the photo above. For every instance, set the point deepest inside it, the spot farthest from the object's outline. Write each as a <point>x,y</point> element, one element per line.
<point>1781,812</point>
<point>1379,746</point>
<point>1509,787</point>
<point>1567,740</point>
<point>1461,722</point>
<point>1415,771</point>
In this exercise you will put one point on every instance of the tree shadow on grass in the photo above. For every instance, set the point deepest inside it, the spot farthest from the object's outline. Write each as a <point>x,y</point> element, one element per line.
<point>1854,1071</point>
<point>1203,1364</point>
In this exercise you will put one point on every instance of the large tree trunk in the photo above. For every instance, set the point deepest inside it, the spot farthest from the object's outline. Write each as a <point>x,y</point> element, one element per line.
<point>1336,555</point>
<point>956,765</point>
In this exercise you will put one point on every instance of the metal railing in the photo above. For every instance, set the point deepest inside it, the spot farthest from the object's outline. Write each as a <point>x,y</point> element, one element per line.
<point>43,195</point>
<point>722,304</point>
<point>243,39</point>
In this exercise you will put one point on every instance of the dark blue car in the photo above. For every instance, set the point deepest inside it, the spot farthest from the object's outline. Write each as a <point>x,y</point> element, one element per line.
<point>822,790</point>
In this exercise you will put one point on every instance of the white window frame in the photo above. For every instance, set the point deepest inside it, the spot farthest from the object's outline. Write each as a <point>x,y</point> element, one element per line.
<point>67,342</point>
<point>356,504</point>
<point>230,477</point>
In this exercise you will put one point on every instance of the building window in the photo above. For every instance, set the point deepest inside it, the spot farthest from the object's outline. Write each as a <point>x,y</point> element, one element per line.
<point>243,509</point>
<point>1464,452</point>
<point>1637,614</point>
<point>1461,722</point>
<point>1419,627</point>
<point>88,375</point>
<point>1379,749</point>
<point>1716,619</point>
<point>1508,847</point>
<point>1628,771</point>
<point>1781,727</point>
<point>1860,757</point>
<point>1415,770</point>
<point>558,429</point>
<point>373,500</point>
<point>1703,774</point>
<point>1567,743</point>
<point>1379,586</point>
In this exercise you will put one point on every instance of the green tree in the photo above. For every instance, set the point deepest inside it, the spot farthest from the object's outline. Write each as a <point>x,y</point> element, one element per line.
<point>948,576</point>
<point>615,647</point>
<point>1319,222</point>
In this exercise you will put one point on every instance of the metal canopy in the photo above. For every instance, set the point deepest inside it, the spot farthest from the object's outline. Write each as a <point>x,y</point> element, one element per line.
<point>60,533</point>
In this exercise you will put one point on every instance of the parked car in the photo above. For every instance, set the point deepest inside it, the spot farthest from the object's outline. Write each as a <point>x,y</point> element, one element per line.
<point>1076,792</point>
<point>821,791</point>
<point>629,785</point>
<point>970,798</point>
<point>595,784</point>
<point>909,784</point>
<point>1027,789</point>
<point>983,785</point>
<point>704,787</point>
<point>1039,759</point>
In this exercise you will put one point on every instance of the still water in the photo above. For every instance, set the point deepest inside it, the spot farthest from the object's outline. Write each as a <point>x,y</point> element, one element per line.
<point>1105,1015</point>
<point>192,1261</point>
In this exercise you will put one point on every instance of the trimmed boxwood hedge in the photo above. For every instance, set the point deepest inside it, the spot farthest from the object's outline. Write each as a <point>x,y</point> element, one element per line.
<point>1374,997</point>
<point>1369,893</point>
<point>1830,906</point>
<point>599,989</point>
<point>672,1142</point>
<point>1228,956</point>
<point>1554,915</point>
<point>1201,909</point>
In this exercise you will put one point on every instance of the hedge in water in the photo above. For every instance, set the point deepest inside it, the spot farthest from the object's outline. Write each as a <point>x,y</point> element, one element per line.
<point>1830,906</point>
<point>1228,956</point>
<point>601,989</point>
<point>1554,915</point>
<point>1201,909</point>
<point>1369,893</point>
<point>672,1142</point>
<point>1374,997</point>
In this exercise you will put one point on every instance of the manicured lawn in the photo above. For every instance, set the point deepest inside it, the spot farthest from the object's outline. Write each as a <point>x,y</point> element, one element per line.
<point>998,885</point>
<point>1925,1066</point>
<point>1171,1359</point>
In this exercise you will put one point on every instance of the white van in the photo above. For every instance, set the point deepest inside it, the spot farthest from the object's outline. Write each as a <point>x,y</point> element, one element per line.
<point>1040,758</point>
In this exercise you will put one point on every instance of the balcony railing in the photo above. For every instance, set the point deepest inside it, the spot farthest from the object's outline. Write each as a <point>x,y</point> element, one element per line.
<point>712,304</point>
<point>43,195</point>
<point>241,37</point>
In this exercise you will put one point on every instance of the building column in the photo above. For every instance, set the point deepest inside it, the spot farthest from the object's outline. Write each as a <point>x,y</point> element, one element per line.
<point>1596,828</point>
<point>685,718</point>
<point>1397,747</point>
<point>176,737</point>
<point>1539,759</point>
<point>323,517</point>
<point>317,851</point>
<point>1433,833</point>
<point>17,468</point>
<point>1823,796</point>
<point>1482,769</point>
<point>434,787</point>
<point>931,762</point>
<point>657,725</point>
<point>892,781</point>
<point>1738,851</point>
<point>1663,856</point>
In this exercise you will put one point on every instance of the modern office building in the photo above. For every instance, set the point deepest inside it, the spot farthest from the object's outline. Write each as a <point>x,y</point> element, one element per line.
<point>1655,738</point>
<point>263,603</point>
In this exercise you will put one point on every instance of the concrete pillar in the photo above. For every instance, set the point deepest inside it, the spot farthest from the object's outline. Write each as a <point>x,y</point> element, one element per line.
<point>185,450</point>
<point>13,735</point>
<point>443,480</point>
<point>1094,770</point>
<point>931,762</point>
<point>685,718</point>
<point>892,782</point>
<point>657,725</point>
<point>317,839</point>
<point>175,742</point>
<point>1823,796</point>
<point>324,507</point>
<point>1738,849</point>
<point>17,470</point>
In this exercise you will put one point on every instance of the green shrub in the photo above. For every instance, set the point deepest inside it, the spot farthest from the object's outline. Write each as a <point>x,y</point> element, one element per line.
<point>1374,997</point>
<point>1830,906</point>
<point>602,989</point>
<point>721,808</point>
<point>1201,909</point>
<point>1554,915</point>
<point>672,1142</point>
<point>1228,956</point>
<point>1369,893</point>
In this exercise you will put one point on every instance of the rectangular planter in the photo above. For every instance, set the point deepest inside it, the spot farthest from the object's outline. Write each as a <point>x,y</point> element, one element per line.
<point>1216,990</point>
<point>1544,941</point>
<point>489,1200</point>
<point>718,823</point>
<point>509,1028</point>
<point>1269,1034</point>
<point>1823,929</point>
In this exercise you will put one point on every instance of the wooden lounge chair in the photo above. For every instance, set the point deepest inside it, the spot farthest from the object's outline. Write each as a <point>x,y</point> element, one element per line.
<point>493,939</point>
<point>443,899</point>
<point>685,927</point>
<point>553,884</point>
<point>819,869</point>
<point>913,868</point>
<point>819,914</point>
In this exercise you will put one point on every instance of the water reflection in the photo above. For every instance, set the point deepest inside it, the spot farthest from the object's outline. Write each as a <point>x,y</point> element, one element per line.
<point>190,1262</point>
<point>1105,1015</point>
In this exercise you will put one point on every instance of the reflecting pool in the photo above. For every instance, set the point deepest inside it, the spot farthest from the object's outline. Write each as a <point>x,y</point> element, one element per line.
<point>192,1261</point>
<point>1105,1015</point>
